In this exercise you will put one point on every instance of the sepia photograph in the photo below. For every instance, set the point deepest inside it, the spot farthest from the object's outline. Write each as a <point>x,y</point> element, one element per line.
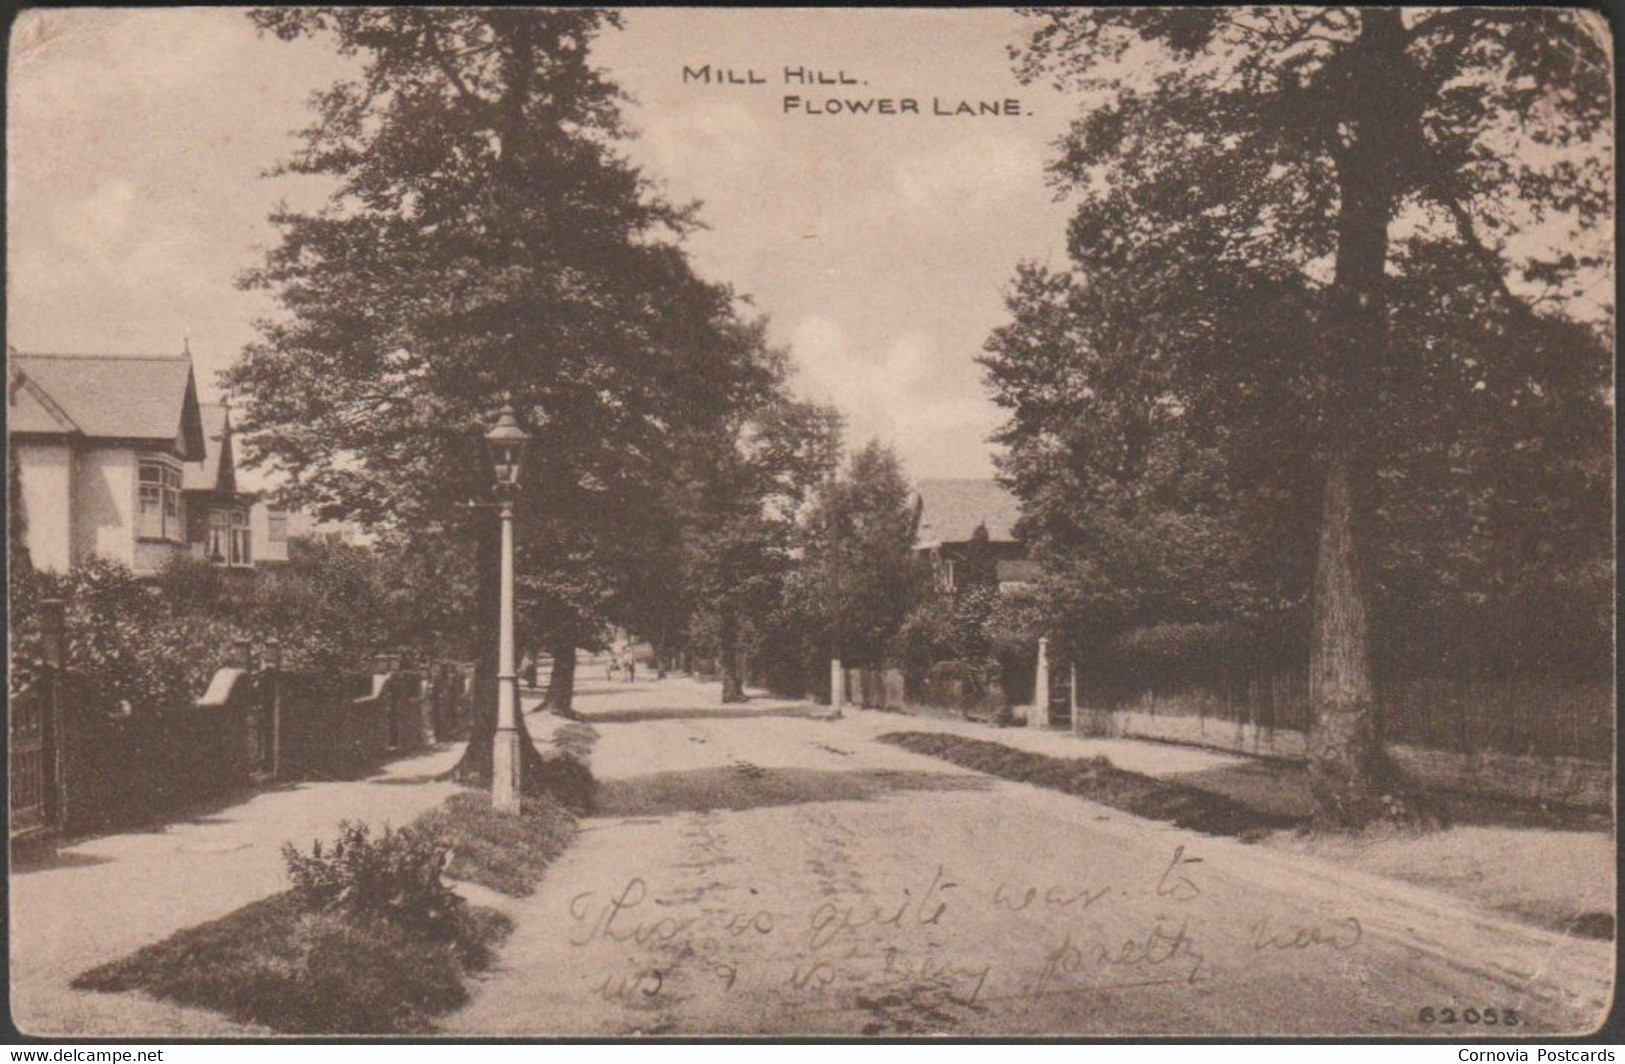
<point>676,523</point>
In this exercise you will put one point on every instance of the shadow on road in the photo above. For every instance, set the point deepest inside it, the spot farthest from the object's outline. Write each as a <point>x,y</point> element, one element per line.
<point>588,688</point>
<point>745,786</point>
<point>38,858</point>
<point>1274,788</point>
<point>634,716</point>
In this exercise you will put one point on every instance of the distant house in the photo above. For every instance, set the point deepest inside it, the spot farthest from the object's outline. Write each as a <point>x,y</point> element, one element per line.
<point>229,526</point>
<point>102,444</point>
<point>948,513</point>
<point>117,458</point>
<point>217,514</point>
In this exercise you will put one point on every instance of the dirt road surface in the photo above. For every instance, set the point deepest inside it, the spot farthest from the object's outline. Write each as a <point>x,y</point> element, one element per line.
<point>756,870</point>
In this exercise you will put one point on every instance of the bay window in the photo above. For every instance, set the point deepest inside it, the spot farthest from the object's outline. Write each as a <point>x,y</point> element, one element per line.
<point>160,500</point>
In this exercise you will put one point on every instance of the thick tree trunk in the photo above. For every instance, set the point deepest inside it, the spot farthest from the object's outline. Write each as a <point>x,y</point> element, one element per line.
<point>474,768</point>
<point>733,684</point>
<point>561,681</point>
<point>1345,749</point>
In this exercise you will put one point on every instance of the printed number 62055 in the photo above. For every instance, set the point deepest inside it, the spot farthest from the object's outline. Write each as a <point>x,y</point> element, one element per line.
<point>1488,1017</point>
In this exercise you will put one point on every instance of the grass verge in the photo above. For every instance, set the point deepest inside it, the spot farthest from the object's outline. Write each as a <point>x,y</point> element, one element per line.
<point>1098,780</point>
<point>1561,880</point>
<point>276,964</point>
<point>507,854</point>
<point>281,965</point>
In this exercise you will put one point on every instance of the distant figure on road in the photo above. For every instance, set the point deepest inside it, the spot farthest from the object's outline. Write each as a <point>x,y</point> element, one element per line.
<point>631,668</point>
<point>614,669</point>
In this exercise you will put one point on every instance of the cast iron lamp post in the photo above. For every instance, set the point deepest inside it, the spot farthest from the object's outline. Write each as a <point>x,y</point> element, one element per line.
<point>507,444</point>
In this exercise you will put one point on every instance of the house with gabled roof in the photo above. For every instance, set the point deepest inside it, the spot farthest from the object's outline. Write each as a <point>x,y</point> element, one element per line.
<point>228,525</point>
<point>116,458</point>
<point>948,514</point>
<point>218,515</point>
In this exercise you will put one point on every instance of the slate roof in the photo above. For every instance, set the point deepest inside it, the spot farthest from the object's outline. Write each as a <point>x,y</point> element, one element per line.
<point>30,409</point>
<point>950,510</point>
<point>126,397</point>
<point>207,474</point>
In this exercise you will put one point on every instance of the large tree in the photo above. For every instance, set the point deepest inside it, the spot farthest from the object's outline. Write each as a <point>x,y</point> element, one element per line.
<point>484,241</point>
<point>745,478</point>
<point>1262,182</point>
<point>857,577</point>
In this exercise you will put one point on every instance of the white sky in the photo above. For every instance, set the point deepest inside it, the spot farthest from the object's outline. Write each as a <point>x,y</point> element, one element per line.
<point>878,245</point>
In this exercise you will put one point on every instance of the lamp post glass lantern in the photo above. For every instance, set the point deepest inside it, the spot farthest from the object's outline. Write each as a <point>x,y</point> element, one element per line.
<point>506,442</point>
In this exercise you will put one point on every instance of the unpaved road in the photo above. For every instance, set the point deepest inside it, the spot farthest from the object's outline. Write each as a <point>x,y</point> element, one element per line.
<point>752,870</point>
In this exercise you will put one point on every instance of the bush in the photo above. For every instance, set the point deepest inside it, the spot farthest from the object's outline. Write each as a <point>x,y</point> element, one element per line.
<point>1174,648</point>
<point>395,877</point>
<point>946,627</point>
<point>124,644</point>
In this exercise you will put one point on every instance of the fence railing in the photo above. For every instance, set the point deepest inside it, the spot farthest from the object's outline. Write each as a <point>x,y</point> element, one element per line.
<point>1524,716</point>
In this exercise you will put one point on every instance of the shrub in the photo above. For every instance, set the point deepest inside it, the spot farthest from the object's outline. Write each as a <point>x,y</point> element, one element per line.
<point>124,645</point>
<point>396,876</point>
<point>946,627</point>
<point>1181,648</point>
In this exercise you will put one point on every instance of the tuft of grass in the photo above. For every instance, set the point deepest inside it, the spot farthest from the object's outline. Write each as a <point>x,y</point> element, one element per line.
<point>505,853</point>
<point>562,778</point>
<point>576,738</point>
<point>1098,780</point>
<point>283,966</point>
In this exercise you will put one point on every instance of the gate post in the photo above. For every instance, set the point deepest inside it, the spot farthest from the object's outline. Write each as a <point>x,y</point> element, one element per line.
<point>271,657</point>
<point>53,615</point>
<point>1072,697</point>
<point>384,665</point>
<point>1038,716</point>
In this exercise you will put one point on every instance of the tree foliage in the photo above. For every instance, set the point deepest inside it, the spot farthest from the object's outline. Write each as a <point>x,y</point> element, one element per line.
<point>486,240</point>
<point>1333,283</point>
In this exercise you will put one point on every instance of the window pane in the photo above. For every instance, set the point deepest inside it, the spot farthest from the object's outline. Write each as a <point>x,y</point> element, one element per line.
<point>151,523</point>
<point>151,473</point>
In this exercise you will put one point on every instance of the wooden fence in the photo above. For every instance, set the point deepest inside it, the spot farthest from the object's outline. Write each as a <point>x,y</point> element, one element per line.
<point>1538,739</point>
<point>77,766</point>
